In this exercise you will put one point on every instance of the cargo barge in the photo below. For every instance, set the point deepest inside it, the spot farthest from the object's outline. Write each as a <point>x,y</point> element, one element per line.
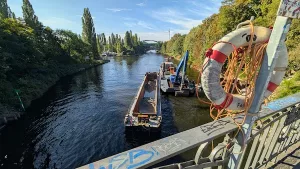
<point>145,110</point>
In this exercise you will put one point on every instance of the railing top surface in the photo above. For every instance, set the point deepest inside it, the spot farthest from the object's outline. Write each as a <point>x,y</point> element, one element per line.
<point>279,105</point>
<point>157,151</point>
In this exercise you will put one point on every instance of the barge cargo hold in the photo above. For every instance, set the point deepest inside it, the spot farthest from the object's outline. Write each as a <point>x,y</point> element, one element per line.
<point>145,111</point>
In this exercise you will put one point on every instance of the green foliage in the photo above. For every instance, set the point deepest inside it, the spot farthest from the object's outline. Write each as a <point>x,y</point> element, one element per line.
<point>127,41</point>
<point>5,11</point>
<point>231,13</point>
<point>72,44</point>
<point>30,18</point>
<point>89,33</point>
<point>100,45</point>
<point>33,56</point>
<point>178,45</point>
<point>294,60</point>
<point>131,44</point>
<point>119,47</point>
<point>288,87</point>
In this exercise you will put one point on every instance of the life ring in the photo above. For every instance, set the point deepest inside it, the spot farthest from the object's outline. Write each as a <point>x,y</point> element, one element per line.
<point>212,67</point>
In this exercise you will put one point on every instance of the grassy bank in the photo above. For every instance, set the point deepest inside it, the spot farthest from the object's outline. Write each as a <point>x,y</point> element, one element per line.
<point>288,86</point>
<point>33,86</point>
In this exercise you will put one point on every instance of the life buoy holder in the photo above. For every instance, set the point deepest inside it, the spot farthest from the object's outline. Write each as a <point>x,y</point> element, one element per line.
<point>210,79</point>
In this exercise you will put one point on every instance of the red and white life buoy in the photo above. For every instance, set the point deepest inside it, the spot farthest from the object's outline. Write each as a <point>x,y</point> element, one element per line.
<point>210,79</point>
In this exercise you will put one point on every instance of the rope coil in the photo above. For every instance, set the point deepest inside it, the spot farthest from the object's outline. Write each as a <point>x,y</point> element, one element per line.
<point>242,66</point>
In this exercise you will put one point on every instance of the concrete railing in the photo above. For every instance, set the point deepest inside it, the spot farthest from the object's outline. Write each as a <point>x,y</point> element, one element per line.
<point>277,128</point>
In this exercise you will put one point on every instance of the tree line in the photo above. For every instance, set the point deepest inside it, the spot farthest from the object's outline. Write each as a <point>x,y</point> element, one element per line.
<point>231,13</point>
<point>131,44</point>
<point>33,55</point>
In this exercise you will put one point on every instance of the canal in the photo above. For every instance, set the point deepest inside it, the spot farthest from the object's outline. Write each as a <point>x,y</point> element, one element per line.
<point>80,119</point>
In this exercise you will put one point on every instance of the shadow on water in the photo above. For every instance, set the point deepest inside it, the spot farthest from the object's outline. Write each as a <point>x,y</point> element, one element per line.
<point>80,119</point>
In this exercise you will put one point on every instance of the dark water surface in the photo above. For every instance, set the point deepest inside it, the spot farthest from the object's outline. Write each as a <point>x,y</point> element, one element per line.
<point>80,119</point>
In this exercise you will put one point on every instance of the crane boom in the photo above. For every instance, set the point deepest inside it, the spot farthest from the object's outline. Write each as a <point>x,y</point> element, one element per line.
<point>182,63</point>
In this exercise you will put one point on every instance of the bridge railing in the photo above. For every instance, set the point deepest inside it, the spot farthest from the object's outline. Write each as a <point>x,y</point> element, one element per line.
<point>277,128</point>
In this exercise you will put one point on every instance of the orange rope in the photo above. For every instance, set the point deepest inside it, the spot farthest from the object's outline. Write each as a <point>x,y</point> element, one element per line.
<point>248,64</point>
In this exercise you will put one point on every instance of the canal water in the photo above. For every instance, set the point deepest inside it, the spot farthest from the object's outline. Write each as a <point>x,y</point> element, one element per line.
<point>80,119</point>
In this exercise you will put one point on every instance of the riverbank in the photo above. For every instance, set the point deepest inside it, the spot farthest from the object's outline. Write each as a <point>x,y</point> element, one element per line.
<point>33,86</point>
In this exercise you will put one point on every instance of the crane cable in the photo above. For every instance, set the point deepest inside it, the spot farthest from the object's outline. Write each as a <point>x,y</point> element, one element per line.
<point>244,61</point>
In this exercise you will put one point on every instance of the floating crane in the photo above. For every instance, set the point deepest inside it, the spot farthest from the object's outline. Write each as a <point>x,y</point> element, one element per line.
<point>172,81</point>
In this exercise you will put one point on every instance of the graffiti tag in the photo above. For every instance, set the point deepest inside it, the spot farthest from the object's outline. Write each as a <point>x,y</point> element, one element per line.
<point>214,126</point>
<point>170,145</point>
<point>129,160</point>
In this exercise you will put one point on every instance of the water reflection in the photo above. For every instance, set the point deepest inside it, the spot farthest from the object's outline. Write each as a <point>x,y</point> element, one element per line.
<point>80,119</point>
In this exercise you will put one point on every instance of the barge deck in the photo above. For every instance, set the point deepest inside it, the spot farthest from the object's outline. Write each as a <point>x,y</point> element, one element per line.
<point>145,110</point>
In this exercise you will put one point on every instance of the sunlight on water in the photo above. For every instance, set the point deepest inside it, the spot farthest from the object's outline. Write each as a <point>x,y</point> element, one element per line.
<point>80,119</point>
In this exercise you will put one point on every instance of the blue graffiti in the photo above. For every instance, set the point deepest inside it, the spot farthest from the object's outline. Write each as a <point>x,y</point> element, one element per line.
<point>282,103</point>
<point>91,166</point>
<point>133,159</point>
<point>157,153</point>
<point>137,155</point>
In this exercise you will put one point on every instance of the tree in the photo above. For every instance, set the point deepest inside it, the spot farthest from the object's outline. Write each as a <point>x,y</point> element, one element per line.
<point>18,50</point>
<point>88,32</point>
<point>119,47</point>
<point>113,39</point>
<point>30,18</point>
<point>5,11</point>
<point>178,45</point>
<point>103,39</point>
<point>72,44</point>
<point>100,45</point>
<point>130,32</point>
<point>163,47</point>
<point>135,40</point>
<point>127,41</point>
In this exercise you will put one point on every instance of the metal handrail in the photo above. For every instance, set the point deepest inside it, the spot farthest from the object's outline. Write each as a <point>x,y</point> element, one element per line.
<point>160,150</point>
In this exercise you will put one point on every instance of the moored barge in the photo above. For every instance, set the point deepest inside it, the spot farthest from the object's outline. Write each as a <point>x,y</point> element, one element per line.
<point>145,110</point>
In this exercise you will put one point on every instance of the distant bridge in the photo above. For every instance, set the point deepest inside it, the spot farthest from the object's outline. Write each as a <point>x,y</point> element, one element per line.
<point>152,45</point>
<point>150,41</point>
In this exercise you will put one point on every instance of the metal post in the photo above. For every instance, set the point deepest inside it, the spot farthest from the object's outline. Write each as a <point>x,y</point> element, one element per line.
<point>287,11</point>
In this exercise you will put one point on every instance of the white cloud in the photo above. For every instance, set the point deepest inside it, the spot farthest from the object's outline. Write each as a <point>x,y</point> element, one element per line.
<point>132,22</point>
<point>161,35</point>
<point>141,4</point>
<point>175,17</point>
<point>144,25</point>
<point>118,9</point>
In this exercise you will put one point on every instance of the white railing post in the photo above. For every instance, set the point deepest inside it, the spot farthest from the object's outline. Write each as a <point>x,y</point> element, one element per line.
<point>288,9</point>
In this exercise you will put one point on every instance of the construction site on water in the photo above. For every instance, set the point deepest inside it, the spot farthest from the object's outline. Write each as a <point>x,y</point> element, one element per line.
<point>227,89</point>
<point>228,75</point>
<point>239,73</point>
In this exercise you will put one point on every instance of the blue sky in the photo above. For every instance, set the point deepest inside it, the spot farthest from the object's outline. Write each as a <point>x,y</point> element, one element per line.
<point>151,19</point>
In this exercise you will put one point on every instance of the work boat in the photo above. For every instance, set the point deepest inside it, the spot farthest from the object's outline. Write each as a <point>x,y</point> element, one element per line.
<point>145,110</point>
<point>172,81</point>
